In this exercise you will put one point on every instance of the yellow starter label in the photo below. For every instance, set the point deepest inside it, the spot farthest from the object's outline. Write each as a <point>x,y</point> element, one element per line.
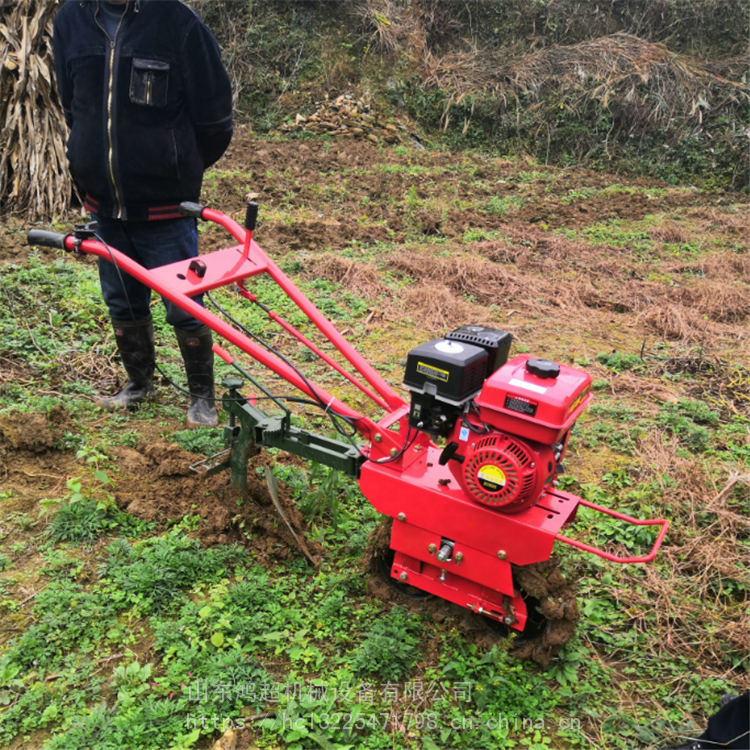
<point>432,372</point>
<point>491,477</point>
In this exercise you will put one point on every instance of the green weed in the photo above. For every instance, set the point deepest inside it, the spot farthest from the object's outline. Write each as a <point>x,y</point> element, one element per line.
<point>204,441</point>
<point>618,412</point>
<point>78,522</point>
<point>152,575</point>
<point>390,648</point>
<point>618,362</point>
<point>579,194</point>
<point>479,235</point>
<point>687,420</point>
<point>502,206</point>
<point>612,233</point>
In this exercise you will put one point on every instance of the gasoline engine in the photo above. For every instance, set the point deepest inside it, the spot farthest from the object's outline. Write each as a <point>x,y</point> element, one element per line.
<point>506,424</point>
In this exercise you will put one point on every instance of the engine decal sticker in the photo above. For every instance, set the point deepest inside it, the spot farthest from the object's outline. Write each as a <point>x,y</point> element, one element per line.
<point>582,395</point>
<point>521,404</point>
<point>463,435</point>
<point>491,477</point>
<point>528,386</point>
<point>432,372</point>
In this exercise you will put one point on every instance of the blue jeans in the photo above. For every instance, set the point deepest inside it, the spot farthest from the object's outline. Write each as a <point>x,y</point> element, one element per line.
<point>152,244</point>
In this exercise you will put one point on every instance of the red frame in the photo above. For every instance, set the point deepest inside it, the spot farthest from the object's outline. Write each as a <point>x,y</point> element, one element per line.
<point>177,283</point>
<point>425,499</point>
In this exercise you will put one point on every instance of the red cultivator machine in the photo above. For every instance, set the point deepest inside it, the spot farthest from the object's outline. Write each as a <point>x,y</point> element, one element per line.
<point>466,472</point>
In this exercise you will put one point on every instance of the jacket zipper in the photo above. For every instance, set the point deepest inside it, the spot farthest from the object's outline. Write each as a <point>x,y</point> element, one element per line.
<point>149,79</point>
<point>110,96</point>
<point>176,155</point>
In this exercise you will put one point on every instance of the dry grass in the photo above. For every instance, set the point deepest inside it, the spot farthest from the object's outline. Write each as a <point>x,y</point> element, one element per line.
<point>73,367</point>
<point>643,388</point>
<point>436,308</point>
<point>722,384</point>
<point>649,86</point>
<point>385,24</point>
<point>583,292</point>
<point>719,504</point>
<point>359,278</point>
<point>721,301</point>
<point>34,175</point>
<point>671,233</point>
<point>545,244</point>
<point>672,322</point>
<point>392,25</point>
<point>724,266</point>
<point>486,282</point>
<point>690,596</point>
<point>539,272</point>
<point>498,251</point>
<point>711,219</point>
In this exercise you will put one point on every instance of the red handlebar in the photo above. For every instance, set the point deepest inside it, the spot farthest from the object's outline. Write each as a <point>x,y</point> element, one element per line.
<point>635,521</point>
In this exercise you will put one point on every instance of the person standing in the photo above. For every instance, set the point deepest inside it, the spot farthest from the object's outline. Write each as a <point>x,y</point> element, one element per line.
<point>149,107</point>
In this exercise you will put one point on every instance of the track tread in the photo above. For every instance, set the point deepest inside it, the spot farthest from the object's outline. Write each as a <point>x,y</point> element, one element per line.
<point>543,581</point>
<point>557,604</point>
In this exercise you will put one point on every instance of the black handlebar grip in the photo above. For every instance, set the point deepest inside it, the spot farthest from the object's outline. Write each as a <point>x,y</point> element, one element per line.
<point>191,209</point>
<point>46,239</point>
<point>251,216</point>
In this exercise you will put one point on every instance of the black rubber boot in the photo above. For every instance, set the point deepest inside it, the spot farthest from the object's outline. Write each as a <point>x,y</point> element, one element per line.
<point>199,366</point>
<point>135,342</point>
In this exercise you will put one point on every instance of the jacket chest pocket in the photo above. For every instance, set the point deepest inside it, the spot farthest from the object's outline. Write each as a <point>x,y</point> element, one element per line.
<point>149,82</point>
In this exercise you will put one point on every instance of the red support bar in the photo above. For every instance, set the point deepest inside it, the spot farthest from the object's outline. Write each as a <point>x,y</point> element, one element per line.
<point>223,354</point>
<point>329,331</point>
<point>246,244</point>
<point>311,346</point>
<point>621,516</point>
<point>210,214</point>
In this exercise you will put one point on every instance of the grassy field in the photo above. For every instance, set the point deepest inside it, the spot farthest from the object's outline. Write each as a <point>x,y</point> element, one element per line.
<point>144,606</point>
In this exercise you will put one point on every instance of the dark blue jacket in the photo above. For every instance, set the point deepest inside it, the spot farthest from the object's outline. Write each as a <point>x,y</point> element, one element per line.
<point>148,110</point>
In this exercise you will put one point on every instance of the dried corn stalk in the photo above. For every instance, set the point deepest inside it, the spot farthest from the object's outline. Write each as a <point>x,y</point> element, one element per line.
<point>34,176</point>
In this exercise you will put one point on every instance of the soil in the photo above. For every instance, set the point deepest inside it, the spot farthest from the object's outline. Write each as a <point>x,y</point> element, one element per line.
<point>271,169</point>
<point>154,482</point>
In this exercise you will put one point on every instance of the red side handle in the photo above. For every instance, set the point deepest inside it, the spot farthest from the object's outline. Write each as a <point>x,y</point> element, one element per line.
<point>636,522</point>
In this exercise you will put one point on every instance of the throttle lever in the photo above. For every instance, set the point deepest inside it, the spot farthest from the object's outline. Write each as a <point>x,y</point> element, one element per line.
<point>85,231</point>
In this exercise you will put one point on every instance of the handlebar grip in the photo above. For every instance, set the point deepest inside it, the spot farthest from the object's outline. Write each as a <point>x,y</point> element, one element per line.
<point>251,216</point>
<point>191,209</point>
<point>46,239</point>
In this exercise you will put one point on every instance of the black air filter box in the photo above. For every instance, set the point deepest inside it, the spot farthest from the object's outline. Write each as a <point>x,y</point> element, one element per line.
<point>449,370</point>
<point>495,342</point>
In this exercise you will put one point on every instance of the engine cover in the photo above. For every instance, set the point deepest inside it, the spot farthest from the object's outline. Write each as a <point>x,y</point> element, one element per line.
<point>504,472</point>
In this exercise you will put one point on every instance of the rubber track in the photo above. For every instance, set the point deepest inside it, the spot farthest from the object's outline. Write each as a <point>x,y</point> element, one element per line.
<point>541,580</point>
